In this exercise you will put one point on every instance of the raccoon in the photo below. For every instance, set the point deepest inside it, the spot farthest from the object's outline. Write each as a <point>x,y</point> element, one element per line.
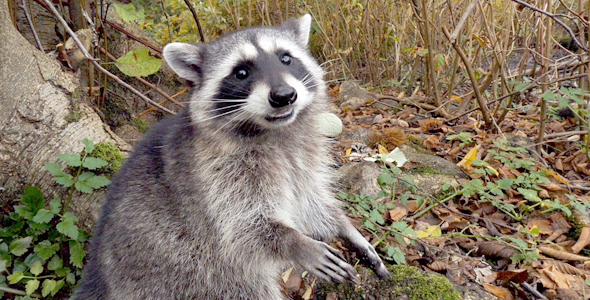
<point>216,201</point>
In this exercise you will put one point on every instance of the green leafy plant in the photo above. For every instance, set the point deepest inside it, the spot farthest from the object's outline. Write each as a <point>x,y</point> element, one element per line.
<point>83,180</point>
<point>463,137</point>
<point>41,248</point>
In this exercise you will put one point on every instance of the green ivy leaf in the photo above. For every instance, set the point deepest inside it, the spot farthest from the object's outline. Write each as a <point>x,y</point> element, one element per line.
<point>54,168</point>
<point>84,188</point>
<point>71,278</point>
<point>33,199</point>
<point>85,176</point>
<point>48,286</point>
<point>73,160</point>
<point>20,246</point>
<point>58,286</point>
<point>45,249</point>
<point>530,195</point>
<point>68,228</point>
<point>89,146</point>
<point>385,179</point>
<point>32,286</point>
<point>376,216</point>
<point>55,263</point>
<point>77,254</point>
<point>65,180</point>
<point>69,217</point>
<point>3,264</point>
<point>138,63</point>
<point>97,182</point>
<point>43,216</point>
<point>55,205</point>
<point>15,277</point>
<point>93,163</point>
<point>128,12</point>
<point>505,183</point>
<point>36,268</point>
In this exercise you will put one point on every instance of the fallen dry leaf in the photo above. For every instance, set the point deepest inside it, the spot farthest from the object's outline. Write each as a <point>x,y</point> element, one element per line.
<point>398,213</point>
<point>583,240</point>
<point>560,254</point>
<point>498,291</point>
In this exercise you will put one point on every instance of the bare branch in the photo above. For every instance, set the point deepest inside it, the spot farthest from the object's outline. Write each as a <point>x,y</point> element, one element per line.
<point>462,21</point>
<point>557,20</point>
<point>96,64</point>
<point>192,9</point>
<point>28,15</point>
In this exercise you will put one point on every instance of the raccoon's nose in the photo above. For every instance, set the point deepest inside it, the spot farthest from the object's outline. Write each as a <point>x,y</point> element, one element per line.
<point>282,96</point>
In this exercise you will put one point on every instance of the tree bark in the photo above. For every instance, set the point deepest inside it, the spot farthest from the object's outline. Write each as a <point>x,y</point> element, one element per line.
<point>35,98</point>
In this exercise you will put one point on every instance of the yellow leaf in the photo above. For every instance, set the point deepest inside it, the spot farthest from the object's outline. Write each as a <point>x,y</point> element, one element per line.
<point>348,151</point>
<point>554,175</point>
<point>470,157</point>
<point>456,98</point>
<point>383,150</point>
<point>431,231</point>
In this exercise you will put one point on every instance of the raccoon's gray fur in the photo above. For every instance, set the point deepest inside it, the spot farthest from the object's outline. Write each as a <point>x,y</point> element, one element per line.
<point>215,202</point>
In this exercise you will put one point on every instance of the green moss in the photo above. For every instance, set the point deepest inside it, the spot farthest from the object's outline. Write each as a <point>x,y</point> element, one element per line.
<point>426,170</point>
<point>107,151</point>
<point>141,125</point>
<point>75,115</point>
<point>419,285</point>
<point>406,280</point>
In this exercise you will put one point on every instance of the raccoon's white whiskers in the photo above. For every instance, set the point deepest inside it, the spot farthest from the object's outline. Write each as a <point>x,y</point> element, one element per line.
<point>221,115</point>
<point>329,61</point>
<point>214,100</point>
<point>242,112</point>
<point>225,107</point>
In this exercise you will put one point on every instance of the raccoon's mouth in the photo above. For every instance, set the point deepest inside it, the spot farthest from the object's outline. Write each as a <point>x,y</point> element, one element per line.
<point>280,115</point>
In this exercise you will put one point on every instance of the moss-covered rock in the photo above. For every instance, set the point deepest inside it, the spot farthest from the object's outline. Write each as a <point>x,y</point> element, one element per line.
<point>406,283</point>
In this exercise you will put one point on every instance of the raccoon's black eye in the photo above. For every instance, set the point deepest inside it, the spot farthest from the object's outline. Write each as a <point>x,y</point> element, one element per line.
<point>241,73</point>
<point>286,59</point>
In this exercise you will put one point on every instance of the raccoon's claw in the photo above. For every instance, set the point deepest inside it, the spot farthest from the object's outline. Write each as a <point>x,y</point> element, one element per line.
<point>327,263</point>
<point>367,255</point>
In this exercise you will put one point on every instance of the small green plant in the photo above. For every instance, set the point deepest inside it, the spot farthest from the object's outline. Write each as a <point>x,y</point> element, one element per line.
<point>82,180</point>
<point>41,247</point>
<point>463,137</point>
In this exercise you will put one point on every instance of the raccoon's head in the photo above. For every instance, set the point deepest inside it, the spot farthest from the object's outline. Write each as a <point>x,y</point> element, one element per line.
<point>258,78</point>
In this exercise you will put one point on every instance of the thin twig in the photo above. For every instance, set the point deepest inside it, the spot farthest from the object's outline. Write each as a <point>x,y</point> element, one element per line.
<point>528,87</point>
<point>28,15</point>
<point>155,88</point>
<point>462,21</point>
<point>557,20</point>
<point>133,37</point>
<point>96,64</point>
<point>192,9</point>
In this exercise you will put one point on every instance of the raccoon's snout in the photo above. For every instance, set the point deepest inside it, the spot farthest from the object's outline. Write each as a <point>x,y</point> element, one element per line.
<point>282,96</point>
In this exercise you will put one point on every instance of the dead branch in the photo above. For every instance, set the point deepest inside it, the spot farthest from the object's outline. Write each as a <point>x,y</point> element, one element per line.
<point>28,15</point>
<point>557,20</point>
<point>192,9</point>
<point>462,21</point>
<point>96,64</point>
<point>133,37</point>
<point>482,105</point>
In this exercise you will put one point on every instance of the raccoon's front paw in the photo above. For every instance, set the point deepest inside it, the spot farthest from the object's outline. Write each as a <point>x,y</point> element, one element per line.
<point>367,255</point>
<point>327,263</point>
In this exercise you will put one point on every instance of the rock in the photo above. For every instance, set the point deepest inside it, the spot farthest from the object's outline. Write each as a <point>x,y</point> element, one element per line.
<point>431,184</point>
<point>359,178</point>
<point>362,135</point>
<point>351,89</point>
<point>434,164</point>
<point>354,103</point>
<point>386,104</point>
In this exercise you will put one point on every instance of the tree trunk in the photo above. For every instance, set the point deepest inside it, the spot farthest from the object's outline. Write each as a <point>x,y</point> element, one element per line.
<point>35,98</point>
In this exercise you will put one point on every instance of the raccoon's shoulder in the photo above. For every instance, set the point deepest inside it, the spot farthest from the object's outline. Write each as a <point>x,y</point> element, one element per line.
<point>167,143</point>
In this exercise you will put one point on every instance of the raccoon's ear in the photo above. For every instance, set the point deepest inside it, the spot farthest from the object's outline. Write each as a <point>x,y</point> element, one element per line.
<point>304,28</point>
<point>184,59</point>
<point>301,27</point>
